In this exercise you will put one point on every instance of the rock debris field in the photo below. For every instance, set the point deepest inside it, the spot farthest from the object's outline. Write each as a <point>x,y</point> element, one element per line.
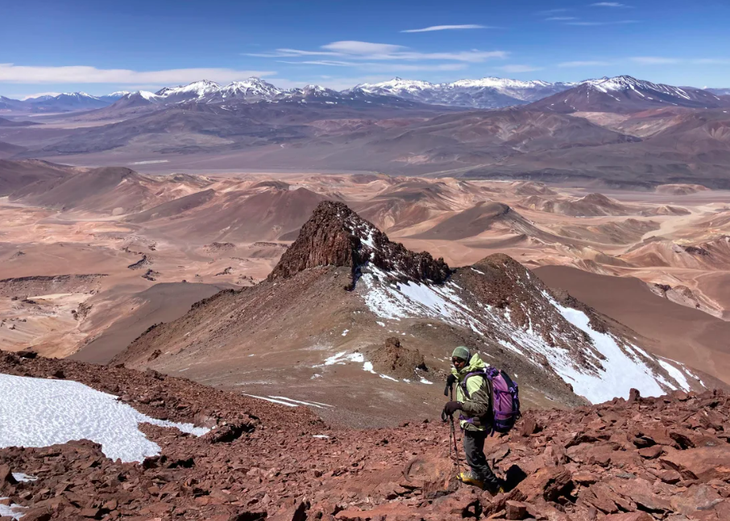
<point>639,459</point>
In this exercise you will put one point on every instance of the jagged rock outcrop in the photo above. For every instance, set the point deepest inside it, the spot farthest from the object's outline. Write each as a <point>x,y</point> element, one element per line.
<point>337,236</point>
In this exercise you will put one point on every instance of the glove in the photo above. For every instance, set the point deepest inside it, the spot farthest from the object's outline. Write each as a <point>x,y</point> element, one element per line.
<point>451,407</point>
<point>450,381</point>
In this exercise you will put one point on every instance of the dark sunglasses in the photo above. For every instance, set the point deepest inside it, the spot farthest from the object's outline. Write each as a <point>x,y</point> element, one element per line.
<point>456,361</point>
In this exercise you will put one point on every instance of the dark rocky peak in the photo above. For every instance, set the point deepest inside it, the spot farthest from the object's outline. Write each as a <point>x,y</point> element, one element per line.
<point>337,236</point>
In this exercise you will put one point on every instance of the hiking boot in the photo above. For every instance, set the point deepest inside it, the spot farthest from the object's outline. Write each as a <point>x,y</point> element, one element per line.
<point>470,479</point>
<point>493,488</point>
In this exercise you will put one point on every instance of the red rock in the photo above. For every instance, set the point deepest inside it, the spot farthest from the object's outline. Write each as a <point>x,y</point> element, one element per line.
<point>528,426</point>
<point>6,476</point>
<point>669,476</point>
<point>702,463</point>
<point>37,514</point>
<point>651,452</point>
<point>630,516</point>
<point>695,499</point>
<point>585,477</point>
<point>515,510</point>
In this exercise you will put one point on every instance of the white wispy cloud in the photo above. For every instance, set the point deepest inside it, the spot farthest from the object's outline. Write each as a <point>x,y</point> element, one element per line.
<point>369,51</point>
<point>362,48</point>
<point>587,63</point>
<point>327,63</point>
<point>382,67</point>
<point>654,60</point>
<point>560,18</point>
<point>548,12</point>
<point>593,24</point>
<point>11,73</point>
<point>446,28</point>
<point>609,4</point>
<point>519,68</point>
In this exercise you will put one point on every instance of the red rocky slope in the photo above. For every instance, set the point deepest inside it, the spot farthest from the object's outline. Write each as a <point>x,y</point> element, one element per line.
<point>636,460</point>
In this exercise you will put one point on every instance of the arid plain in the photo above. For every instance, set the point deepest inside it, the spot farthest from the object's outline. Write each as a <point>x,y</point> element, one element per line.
<point>89,265</point>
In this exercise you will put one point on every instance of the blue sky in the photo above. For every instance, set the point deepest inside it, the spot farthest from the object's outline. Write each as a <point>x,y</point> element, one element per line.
<point>102,46</point>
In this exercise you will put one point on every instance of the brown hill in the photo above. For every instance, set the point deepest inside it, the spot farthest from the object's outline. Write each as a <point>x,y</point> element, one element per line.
<point>112,189</point>
<point>591,205</point>
<point>482,217</point>
<point>238,215</point>
<point>15,175</point>
<point>411,202</point>
<point>174,208</point>
<point>8,150</point>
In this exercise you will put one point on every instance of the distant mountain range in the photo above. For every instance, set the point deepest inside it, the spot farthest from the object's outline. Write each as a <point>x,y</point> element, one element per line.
<point>624,94</point>
<point>485,93</point>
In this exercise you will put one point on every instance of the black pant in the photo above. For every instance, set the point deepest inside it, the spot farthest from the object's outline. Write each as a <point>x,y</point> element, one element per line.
<point>474,450</point>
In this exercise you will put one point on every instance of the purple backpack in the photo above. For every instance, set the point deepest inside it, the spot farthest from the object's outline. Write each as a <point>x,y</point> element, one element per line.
<point>505,397</point>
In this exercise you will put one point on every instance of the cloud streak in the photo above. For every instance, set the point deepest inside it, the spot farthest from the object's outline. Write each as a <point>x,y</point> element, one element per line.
<point>382,67</point>
<point>610,4</point>
<point>594,24</point>
<point>446,28</point>
<point>369,51</point>
<point>11,73</point>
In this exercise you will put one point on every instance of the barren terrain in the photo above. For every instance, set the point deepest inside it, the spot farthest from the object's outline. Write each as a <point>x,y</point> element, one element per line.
<point>118,234</point>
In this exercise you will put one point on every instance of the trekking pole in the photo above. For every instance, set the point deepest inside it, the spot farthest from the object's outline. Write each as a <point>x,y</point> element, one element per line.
<point>453,436</point>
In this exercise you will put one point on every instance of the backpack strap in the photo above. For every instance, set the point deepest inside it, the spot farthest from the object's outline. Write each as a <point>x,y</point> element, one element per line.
<point>481,372</point>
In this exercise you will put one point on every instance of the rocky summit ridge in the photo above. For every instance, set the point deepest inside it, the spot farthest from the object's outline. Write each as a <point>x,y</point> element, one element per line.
<point>640,459</point>
<point>336,236</point>
<point>318,341</point>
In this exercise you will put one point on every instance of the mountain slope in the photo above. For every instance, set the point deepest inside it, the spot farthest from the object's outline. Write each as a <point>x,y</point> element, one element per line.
<point>482,93</point>
<point>624,94</point>
<point>342,288</point>
<point>279,461</point>
<point>16,175</point>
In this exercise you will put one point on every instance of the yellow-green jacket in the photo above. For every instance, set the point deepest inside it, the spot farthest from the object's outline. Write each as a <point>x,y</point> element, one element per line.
<point>477,408</point>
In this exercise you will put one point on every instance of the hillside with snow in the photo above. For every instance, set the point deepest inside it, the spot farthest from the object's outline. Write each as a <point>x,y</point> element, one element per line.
<point>343,291</point>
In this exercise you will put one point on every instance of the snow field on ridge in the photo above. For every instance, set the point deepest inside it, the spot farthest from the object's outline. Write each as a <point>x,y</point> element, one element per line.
<point>620,371</point>
<point>37,412</point>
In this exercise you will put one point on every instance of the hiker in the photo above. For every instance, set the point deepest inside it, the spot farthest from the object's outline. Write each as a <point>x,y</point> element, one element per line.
<point>475,417</point>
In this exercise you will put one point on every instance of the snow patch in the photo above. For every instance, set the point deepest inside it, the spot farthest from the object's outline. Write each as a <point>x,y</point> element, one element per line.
<point>23,478</point>
<point>13,511</point>
<point>36,412</point>
<point>620,373</point>
<point>676,374</point>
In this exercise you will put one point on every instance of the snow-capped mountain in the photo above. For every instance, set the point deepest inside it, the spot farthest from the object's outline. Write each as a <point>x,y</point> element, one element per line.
<point>252,88</point>
<point>114,96</point>
<point>626,94</point>
<point>191,91</point>
<point>489,92</point>
<point>66,102</point>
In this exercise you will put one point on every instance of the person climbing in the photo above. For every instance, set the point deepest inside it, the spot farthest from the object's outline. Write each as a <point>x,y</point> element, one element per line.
<point>475,418</point>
